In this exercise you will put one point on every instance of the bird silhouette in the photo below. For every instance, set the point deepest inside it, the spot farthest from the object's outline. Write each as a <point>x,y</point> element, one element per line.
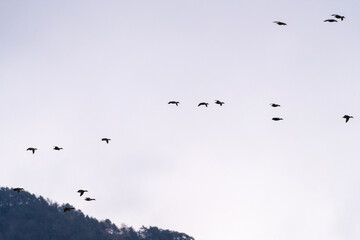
<point>203,104</point>
<point>347,117</point>
<point>280,23</point>
<point>330,20</point>
<point>277,119</point>
<point>18,189</point>
<point>274,105</point>
<point>68,209</point>
<point>57,148</point>
<point>338,16</point>
<point>107,140</point>
<point>81,192</point>
<point>174,102</point>
<point>219,102</point>
<point>90,199</point>
<point>31,149</point>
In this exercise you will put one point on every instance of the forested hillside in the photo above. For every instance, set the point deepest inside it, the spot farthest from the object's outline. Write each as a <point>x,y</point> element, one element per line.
<point>25,216</point>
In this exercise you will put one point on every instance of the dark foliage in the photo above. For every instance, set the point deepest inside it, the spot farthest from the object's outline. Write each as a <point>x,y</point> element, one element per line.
<point>25,216</point>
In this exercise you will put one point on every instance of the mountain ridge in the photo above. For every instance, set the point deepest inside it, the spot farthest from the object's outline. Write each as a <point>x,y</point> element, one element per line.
<point>26,216</point>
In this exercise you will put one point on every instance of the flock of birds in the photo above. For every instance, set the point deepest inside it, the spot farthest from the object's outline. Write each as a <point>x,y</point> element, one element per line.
<point>206,104</point>
<point>80,191</point>
<point>346,117</point>
<point>33,149</point>
<point>66,209</point>
<point>200,104</point>
<point>107,140</point>
<point>327,20</point>
<point>275,105</point>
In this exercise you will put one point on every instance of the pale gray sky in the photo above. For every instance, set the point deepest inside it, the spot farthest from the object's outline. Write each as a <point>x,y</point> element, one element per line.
<point>72,72</point>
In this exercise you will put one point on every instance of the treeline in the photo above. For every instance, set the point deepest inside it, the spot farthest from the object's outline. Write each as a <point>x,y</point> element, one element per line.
<point>25,216</point>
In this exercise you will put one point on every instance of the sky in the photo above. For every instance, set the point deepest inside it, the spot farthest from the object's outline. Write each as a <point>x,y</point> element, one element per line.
<point>73,72</point>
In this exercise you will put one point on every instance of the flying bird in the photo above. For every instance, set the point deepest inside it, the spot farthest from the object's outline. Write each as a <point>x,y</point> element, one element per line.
<point>330,20</point>
<point>203,104</point>
<point>68,209</point>
<point>31,149</point>
<point>277,119</point>
<point>174,102</point>
<point>81,192</point>
<point>90,199</point>
<point>338,16</point>
<point>57,148</point>
<point>347,117</point>
<point>219,102</point>
<point>280,23</point>
<point>18,189</point>
<point>274,105</point>
<point>107,140</point>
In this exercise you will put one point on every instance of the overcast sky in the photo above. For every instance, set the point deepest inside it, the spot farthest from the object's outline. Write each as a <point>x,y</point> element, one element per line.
<point>73,72</point>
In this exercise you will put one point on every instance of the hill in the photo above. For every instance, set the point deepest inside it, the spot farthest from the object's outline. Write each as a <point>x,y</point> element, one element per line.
<point>26,216</point>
